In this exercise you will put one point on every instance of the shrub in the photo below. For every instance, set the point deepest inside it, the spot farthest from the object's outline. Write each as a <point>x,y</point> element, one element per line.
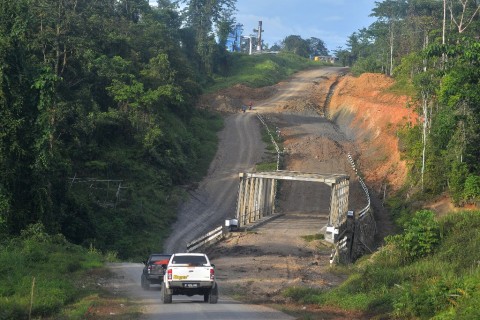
<point>420,237</point>
<point>54,264</point>
<point>471,192</point>
<point>469,298</point>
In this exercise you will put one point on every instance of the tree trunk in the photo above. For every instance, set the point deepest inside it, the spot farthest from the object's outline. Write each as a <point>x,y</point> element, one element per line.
<point>391,50</point>
<point>424,133</point>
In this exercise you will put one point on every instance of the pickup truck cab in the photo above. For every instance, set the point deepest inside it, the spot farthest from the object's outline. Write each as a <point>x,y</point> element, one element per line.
<point>190,274</point>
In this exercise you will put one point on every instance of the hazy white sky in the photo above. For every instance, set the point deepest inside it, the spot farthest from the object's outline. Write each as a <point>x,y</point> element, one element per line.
<point>330,20</point>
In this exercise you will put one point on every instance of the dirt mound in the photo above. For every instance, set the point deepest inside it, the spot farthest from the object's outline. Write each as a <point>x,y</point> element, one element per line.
<point>231,99</point>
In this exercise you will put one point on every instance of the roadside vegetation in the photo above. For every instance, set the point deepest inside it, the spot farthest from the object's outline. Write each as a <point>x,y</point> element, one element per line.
<point>431,270</point>
<point>41,274</point>
<point>261,70</point>
<point>438,67</point>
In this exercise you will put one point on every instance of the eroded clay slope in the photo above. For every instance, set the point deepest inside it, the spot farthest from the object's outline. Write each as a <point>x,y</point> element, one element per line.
<point>371,116</point>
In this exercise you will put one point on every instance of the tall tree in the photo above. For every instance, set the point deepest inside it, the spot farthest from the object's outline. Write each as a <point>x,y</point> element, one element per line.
<point>391,12</point>
<point>297,45</point>
<point>462,13</point>
<point>317,46</point>
<point>201,17</point>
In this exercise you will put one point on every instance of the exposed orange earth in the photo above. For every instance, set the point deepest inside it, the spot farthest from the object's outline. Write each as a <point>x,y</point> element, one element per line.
<point>375,115</point>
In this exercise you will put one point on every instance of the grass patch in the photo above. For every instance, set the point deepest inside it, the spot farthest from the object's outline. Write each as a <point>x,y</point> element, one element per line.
<point>313,237</point>
<point>303,295</point>
<point>55,272</point>
<point>269,162</point>
<point>261,70</point>
<point>266,166</point>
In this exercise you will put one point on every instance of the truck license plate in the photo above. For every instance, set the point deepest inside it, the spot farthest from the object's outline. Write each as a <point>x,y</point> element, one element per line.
<point>190,285</point>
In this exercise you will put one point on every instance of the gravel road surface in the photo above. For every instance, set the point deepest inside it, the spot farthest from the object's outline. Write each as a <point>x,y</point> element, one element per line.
<point>240,148</point>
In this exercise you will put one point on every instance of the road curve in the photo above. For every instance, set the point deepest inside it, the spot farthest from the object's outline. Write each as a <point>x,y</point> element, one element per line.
<point>240,148</point>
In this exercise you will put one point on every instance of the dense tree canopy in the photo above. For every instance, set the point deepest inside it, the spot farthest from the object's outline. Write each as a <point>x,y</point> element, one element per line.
<point>304,47</point>
<point>81,80</point>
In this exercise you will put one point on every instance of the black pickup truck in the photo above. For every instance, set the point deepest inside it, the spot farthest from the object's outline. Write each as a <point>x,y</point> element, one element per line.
<point>154,269</point>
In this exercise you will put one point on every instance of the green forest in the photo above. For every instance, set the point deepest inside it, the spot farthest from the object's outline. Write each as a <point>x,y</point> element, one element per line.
<point>99,135</point>
<point>100,140</point>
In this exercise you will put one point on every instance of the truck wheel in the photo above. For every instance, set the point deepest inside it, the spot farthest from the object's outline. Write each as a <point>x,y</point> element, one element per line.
<point>145,283</point>
<point>166,295</point>
<point>213,295</point>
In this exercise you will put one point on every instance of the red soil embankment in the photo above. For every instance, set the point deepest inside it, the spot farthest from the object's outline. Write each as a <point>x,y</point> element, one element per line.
<point>371,116</point>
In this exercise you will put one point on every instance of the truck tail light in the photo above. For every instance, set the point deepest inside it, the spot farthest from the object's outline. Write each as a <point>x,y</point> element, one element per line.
<point>149,268</point>
<point>212,274</point>
<point>169,274</point>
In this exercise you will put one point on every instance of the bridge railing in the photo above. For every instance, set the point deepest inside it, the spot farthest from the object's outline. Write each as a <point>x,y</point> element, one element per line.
<point>209,238</point>
<point>362,212</point>
<point>362,233</point>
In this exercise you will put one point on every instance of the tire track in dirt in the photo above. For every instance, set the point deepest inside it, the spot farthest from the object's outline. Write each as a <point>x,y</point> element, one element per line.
<point>240,148</point>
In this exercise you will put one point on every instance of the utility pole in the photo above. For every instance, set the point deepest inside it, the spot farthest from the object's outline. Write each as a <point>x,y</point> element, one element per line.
<point>259,36</point>
<point>250,45</point>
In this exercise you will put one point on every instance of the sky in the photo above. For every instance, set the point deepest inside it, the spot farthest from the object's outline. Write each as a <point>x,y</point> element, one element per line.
<point>332,21</point>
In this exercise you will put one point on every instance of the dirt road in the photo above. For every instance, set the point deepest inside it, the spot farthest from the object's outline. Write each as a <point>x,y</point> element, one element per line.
<point>240,148</point>
<point>257,266</point>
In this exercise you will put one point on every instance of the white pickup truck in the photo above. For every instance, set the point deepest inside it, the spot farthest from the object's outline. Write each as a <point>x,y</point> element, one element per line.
<point>190,274</point>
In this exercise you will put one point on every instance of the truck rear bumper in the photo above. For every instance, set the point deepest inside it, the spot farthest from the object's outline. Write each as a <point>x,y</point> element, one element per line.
<point>185,288</point>
<point>190,284</point>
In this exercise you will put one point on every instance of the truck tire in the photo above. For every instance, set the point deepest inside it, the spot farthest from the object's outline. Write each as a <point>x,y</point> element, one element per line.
<point>166,295</point>
<point>145,283</point>
<point>213,295</point>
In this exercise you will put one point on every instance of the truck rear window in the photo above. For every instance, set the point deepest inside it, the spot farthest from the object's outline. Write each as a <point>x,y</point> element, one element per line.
<point>191,260</point>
